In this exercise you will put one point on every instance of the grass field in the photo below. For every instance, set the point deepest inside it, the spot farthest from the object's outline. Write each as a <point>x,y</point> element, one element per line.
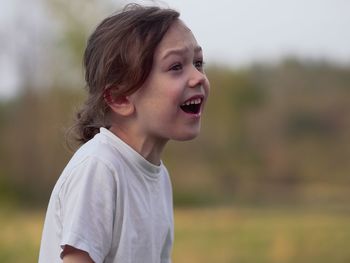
<point>238,234</point>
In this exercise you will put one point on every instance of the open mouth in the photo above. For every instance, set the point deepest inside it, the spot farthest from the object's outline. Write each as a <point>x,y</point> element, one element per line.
<point>192,106</point>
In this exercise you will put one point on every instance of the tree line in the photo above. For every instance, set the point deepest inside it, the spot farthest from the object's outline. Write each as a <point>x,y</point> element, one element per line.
<point>269,132</point>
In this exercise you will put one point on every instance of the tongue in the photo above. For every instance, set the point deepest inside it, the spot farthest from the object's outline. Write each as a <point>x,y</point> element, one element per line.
<point>192,108</point>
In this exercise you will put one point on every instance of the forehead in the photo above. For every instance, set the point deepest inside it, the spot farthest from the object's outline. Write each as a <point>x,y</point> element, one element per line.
<point>178,37</point>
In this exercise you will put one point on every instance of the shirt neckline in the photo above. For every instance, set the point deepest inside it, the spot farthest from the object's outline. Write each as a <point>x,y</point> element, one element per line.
<point>151,169</point>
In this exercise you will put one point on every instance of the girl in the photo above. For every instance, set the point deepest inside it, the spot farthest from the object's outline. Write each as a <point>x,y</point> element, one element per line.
<point>146,85</point>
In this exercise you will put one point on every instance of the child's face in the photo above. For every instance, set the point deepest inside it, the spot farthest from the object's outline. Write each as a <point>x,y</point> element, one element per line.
<point>170,103</point>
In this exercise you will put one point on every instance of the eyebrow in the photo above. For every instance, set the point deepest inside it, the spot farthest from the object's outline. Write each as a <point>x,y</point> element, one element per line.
<point>179,51</point>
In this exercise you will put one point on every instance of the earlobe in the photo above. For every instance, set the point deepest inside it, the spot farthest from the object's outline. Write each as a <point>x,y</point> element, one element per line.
<point>118,104</point>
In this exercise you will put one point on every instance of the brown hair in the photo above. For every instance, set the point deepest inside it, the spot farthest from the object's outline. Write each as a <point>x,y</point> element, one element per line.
<point>119,55</point>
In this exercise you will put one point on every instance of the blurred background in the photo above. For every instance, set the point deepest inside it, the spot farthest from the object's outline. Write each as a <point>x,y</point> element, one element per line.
<point>268,178</point>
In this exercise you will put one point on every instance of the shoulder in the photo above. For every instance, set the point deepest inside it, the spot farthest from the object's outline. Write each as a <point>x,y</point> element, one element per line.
<point>90,176</point>
<point>98,151</point>
<point>95,165</point>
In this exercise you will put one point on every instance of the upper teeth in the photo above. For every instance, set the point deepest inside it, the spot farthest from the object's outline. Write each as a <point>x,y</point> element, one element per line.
<point>193,101</point>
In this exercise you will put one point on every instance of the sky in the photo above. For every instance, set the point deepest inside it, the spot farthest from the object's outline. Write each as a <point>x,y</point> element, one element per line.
<point>232,32</point>
<point>240,32</point>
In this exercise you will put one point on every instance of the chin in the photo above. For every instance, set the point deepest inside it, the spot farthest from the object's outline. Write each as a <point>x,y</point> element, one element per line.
<point>186,136</point>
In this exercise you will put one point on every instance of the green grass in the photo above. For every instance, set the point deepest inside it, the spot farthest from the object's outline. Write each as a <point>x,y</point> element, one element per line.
<point>257,235</point>
<point>20,235</point>
<point>237,234</point>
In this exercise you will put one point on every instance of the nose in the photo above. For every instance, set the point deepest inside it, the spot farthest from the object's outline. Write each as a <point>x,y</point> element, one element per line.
<point>196,78</point>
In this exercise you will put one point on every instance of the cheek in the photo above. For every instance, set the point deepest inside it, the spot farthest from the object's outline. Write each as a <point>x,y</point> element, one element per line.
<point>168,97</point>
<point>206,85</point>
<point>161,96</point>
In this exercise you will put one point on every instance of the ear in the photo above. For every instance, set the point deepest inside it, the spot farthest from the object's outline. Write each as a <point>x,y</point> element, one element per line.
<point>118,104</point>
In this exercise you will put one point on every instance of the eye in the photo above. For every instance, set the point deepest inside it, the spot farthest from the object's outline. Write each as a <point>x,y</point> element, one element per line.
<point>199,64</point>
<point>176,67</point>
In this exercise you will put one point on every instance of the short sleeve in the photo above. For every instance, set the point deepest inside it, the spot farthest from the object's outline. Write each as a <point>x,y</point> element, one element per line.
<point>88,199</point>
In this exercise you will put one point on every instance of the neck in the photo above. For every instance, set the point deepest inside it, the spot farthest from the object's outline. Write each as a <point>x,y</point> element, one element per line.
<point>148,147</point>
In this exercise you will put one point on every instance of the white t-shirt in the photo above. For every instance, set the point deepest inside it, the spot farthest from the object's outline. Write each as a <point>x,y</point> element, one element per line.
<point>112,203</point>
